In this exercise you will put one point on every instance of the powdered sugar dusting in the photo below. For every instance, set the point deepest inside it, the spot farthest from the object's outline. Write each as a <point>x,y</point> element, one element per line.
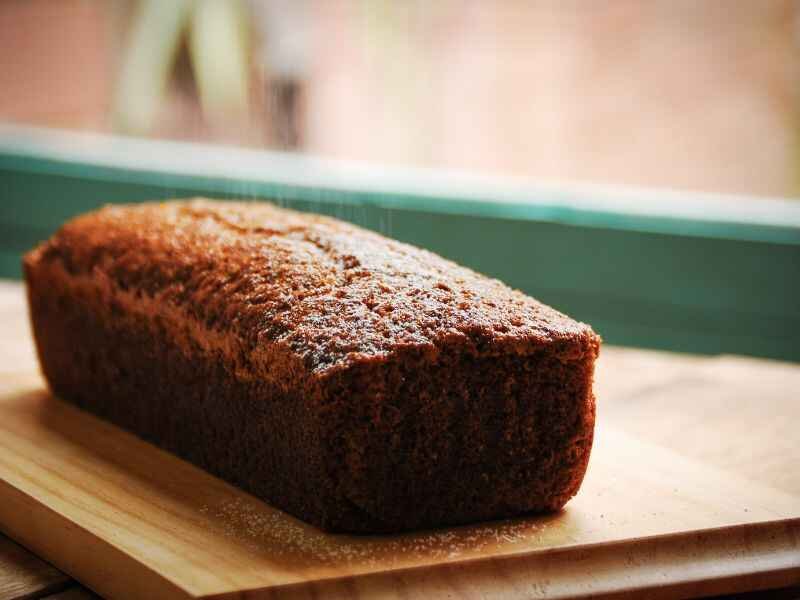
<point>266,530</point>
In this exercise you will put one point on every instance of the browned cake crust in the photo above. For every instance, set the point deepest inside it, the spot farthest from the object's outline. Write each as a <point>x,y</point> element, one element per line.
<point>356,382</point>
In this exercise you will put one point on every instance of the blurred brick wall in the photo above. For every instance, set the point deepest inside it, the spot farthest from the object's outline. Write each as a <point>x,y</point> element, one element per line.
<point>697,94</point>
<point>56,62</point>
<point>678,93</point>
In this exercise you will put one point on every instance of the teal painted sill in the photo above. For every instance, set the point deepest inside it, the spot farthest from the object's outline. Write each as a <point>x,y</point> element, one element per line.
<point>652,268</point>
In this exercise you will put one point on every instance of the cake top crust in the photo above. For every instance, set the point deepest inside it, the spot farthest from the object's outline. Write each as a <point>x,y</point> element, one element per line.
<point>332,293</point>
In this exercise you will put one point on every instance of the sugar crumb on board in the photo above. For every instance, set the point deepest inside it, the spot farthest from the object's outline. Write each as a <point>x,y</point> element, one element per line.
<point>267,530</point>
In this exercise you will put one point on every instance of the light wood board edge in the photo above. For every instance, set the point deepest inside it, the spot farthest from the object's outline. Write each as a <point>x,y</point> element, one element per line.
<point>98,565</point>
<point>742,558</point>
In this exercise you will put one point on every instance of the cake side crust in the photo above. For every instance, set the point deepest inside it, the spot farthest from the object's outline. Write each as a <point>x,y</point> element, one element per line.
<point>126,367</point>
<point>419,443</point>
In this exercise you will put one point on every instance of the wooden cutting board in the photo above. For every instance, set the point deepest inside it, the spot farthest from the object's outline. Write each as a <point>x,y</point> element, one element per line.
<point>131,521</point>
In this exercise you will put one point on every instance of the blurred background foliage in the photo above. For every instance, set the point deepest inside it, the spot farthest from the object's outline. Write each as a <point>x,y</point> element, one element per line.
<point>675,93</point>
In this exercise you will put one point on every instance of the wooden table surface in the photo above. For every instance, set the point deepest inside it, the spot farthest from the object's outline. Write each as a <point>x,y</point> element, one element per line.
<point>735,413</point>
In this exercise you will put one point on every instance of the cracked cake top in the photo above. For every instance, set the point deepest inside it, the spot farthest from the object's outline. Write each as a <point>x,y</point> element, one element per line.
<point>354,295</point>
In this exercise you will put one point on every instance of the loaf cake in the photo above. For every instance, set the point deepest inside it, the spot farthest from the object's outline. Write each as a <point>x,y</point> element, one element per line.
<point>356,382</point>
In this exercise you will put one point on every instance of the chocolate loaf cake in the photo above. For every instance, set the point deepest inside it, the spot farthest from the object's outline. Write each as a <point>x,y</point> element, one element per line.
<point>358,383</point>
